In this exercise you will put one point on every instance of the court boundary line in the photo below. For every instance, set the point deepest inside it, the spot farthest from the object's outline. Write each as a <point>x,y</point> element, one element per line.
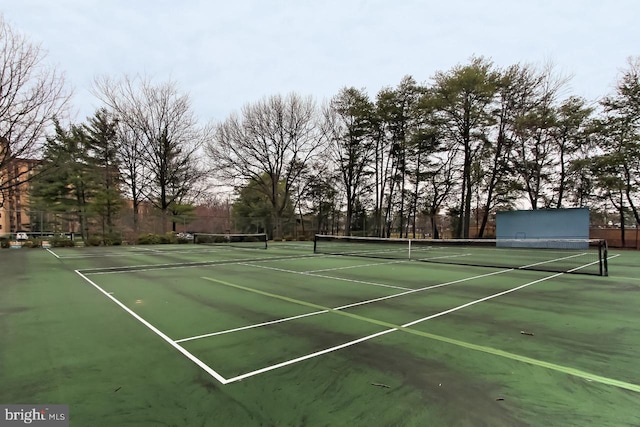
<point>225,381</point>
<point>373,264</point>
<point>372,300</point>
<point>405,328</point>
<point>158,332</point>
<point>138,250</point>
<point>322,276</point>
<point>137,253</point>
<point>172,266</point>
<point>257,325</point>
<point>53,253</point>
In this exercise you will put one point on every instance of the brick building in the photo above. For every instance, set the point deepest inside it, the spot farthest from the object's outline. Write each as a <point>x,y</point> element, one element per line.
<point>14,189</point>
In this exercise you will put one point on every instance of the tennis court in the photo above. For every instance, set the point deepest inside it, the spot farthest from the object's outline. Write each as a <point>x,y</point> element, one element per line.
<point>224,335</point>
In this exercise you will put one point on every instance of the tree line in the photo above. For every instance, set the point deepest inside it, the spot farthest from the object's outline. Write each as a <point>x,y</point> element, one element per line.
<point>474,139</point>
<point>143,145</point>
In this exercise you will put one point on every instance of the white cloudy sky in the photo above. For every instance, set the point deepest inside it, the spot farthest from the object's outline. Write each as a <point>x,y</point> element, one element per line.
<point>225,54</point>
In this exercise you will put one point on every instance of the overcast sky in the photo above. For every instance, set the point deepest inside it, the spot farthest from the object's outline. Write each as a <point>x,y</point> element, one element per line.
<point>225,54</point>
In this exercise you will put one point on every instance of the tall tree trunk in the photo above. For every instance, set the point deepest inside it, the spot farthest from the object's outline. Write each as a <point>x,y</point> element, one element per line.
<point>136,216</point>
<point>622,227</point>
<point>434,225</point>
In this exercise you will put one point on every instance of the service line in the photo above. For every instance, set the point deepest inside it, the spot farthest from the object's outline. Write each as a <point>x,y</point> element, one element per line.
<point>405,328</point>
<point>342,307</point>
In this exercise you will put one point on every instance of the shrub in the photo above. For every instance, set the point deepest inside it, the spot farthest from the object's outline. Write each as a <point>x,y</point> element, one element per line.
<point>112,239</point>
<point>148,239</point>
<point>36,243</point>
<point>168,238</point>
<point>212,239</point>
<point>94,241</point>
<point>61,242</point>
<point>4,242</point>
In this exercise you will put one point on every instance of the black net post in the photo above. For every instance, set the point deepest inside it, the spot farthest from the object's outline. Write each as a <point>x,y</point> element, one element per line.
<point>605,256</point>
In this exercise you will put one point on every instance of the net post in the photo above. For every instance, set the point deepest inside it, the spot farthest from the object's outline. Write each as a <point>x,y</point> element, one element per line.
<point>604,268</point>
<point>409,249</point>
<point>315,241</point>
<point>600,256</point>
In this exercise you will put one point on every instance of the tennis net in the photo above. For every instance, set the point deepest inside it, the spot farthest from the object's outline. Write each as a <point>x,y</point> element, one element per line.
<point>586,256</point>
<point>249,241</point>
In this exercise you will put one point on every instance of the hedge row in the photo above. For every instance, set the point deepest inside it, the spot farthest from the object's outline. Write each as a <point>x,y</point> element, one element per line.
<point>56,242</point>
<point>160,239</point>
<point>97,240</point>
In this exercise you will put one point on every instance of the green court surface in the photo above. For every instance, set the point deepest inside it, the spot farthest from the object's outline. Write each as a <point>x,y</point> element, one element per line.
<point>191,335</point>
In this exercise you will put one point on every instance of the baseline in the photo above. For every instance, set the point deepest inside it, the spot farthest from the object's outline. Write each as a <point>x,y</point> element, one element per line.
<point>152,267</point>
<point>137,252</point>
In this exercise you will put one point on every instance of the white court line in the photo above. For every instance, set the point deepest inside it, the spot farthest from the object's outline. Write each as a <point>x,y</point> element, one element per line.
<point>147,249</point>
<point>303,273</point>
<point>451,310</point>
<point>350,343</point>
<point>308,356</point>
<point>105,255</point>
<point>460,307</point>
<point>146,252</point>
<point>53,253</point>
<point>153,267</point>
<point>442,257</point>
<point>139,250</point>
<point>409,291</point>
<point>562,259</point>
<point>175,345</point>
<point>357,266</point>
<point>257,325</point>
<point>342,307</point>
<point>223,380</point>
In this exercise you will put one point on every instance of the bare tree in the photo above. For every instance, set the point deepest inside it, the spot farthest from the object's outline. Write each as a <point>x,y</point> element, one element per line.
<point>269,144</point>
<point>535,149</point>
<point>31,95</point>
<point>163,131</point>
<point>133,169</point>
